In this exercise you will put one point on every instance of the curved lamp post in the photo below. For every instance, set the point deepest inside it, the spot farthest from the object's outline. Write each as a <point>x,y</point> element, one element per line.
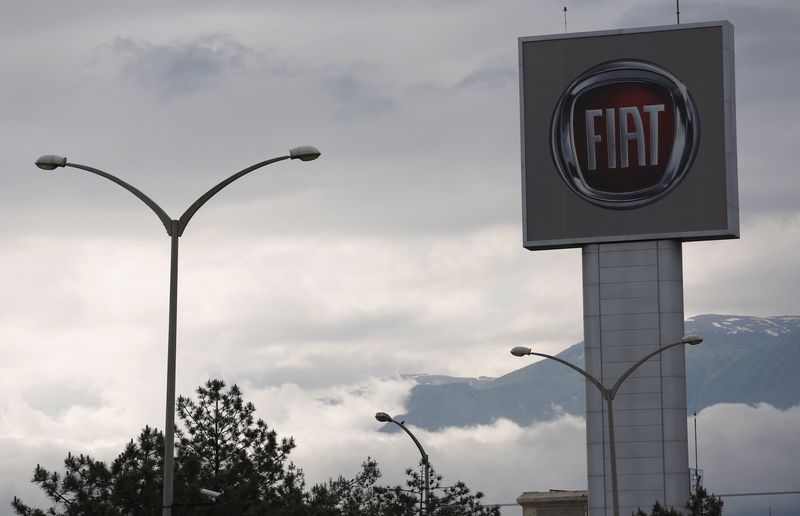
<point>174,229</point>
<point>608,395</point>
<point>383,417</point>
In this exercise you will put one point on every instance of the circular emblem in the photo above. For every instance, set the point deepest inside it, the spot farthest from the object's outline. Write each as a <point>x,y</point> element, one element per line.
<point>624,134</point>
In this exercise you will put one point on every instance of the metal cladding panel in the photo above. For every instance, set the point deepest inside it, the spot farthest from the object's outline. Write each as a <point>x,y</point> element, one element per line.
<point>703,205</point>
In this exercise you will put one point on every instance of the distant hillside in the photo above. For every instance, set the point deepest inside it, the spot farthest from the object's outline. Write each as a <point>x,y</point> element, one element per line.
<point>741,360</point>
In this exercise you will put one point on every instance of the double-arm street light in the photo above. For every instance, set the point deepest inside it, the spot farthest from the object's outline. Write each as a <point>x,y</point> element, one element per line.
<point>175,228</point>
<point>608,395</point>
<point>424,500</point>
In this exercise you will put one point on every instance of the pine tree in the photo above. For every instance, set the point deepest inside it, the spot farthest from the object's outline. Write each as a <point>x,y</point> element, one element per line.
<point>361,496</point>
<point>704,504</point>
<point>449,500</point>
<point>659,510</point>
<point>83,490</point>
<point>353,497</point>
<point>138,474</point>
<point>221,447</point>
<point>224,448</point>
<point>700,504</point>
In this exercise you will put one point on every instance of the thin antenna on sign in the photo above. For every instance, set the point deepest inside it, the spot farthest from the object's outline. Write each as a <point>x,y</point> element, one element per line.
<point>565,18</point>
<point>678,10</point>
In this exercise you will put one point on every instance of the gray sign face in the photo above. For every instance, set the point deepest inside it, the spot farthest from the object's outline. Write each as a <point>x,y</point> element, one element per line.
<point>628,135</point>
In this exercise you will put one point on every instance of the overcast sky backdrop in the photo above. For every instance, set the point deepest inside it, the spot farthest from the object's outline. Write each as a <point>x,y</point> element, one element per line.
<point>398,251</point>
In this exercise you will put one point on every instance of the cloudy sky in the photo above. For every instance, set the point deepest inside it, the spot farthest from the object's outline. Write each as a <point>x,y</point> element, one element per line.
<point>398,251</point>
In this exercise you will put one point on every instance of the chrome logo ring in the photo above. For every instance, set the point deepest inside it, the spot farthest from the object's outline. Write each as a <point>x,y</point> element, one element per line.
<point>612,79</point>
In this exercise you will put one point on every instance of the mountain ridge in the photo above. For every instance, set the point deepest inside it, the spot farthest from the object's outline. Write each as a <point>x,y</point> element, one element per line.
<point>743,359</point>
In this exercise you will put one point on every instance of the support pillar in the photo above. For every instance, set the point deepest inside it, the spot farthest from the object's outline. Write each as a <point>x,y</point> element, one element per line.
<point>633,304</point>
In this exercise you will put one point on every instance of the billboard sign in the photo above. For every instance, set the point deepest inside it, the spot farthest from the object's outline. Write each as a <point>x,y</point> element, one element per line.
<point>628,135</point>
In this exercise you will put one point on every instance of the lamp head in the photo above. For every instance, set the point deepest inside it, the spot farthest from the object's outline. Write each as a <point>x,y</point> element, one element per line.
<point>211,494</point>
<point>51,162</point>
<point>304,153</point>
<point>383,417</point>
<point>520,351</point>
<point>692,340</point>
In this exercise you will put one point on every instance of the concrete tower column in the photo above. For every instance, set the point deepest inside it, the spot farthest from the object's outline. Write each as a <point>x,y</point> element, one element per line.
<point>633,304</point>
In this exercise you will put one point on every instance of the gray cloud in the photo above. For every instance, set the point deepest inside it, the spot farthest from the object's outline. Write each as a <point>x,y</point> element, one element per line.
<point>54,398</point>
<point>356,92</point>
<point>181,67</point>
<point>495,73</point>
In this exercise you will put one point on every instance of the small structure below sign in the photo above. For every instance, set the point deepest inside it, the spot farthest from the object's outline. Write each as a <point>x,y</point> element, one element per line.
<point>554,503</point>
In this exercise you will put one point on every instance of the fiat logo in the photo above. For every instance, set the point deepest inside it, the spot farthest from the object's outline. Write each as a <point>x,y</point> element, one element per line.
<point>624,134</point>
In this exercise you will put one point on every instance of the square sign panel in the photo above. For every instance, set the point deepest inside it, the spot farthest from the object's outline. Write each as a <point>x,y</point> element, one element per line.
<point>629,135</point>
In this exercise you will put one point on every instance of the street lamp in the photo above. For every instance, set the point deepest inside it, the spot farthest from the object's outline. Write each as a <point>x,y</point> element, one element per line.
<point>608,395</point>
<point>175,228</point>
<point>383,417</point>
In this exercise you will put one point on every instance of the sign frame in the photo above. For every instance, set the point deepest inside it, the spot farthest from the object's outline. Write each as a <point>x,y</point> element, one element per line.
<point>703,208</point>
